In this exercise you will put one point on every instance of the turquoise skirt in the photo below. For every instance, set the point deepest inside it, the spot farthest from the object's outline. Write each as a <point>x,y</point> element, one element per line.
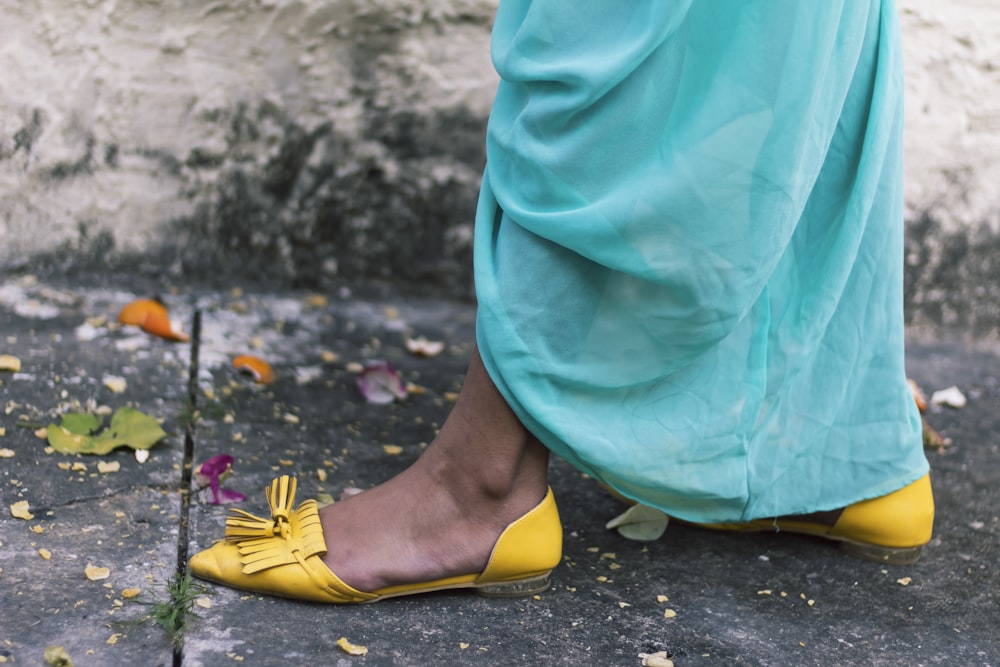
<point>689,249</point>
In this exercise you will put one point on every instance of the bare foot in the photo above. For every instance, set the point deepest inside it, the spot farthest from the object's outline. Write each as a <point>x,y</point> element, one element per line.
<point>442,515</point>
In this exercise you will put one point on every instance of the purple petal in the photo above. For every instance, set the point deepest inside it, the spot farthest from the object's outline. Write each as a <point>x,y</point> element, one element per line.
<point>380,383</point>
<point>228,496</point>
<point>213,468</point>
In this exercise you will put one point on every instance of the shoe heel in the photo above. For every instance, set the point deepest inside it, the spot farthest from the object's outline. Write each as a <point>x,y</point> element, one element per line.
<point>513,589</point>
<point>888,555</point>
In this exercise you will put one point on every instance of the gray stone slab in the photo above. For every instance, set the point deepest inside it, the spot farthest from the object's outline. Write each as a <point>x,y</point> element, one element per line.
<point>126,520</point>
<point>726,589</point>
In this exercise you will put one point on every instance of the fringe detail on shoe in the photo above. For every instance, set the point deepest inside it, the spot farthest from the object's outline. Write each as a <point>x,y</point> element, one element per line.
<point>290,535</point>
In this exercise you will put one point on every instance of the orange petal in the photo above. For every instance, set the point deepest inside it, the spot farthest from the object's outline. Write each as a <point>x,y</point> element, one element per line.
<point>159,324</point>
<point>918,395</point>
<point>135,312</point>
<point>255,366</point>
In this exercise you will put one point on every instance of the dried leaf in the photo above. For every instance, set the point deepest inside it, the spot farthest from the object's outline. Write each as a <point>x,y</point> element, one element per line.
<point>380,383</point>
<point>128,428</point>
<point>10,363</point>
<point>19,510</point>
<point>352,649</point>
<point>640,523</point>
<point>95,573</point>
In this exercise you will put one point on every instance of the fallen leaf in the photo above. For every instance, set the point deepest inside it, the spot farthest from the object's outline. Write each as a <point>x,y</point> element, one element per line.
<point>56,656</point>
<point>128,428</point>
<point>116,384</point>
<point>255,367</point>
<point>19,510</point>
<point>392,450</point>
<point>905,581</point>
<point>351,649</point>
<point>669,613</point>
<point>113,639</point>
<point>204,602</point>
<point>108,466</point>
<point>45,554</point>
<point>422,347</point>
<point>662,598</point>
<point>640,523</point>
<point>10,363</point>
<point>95,573</point>
<point>380,383</point>
<point>130,593</point>
<point>6,453</point>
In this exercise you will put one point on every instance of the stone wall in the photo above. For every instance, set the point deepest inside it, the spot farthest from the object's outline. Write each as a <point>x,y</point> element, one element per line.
<point>307,141</point>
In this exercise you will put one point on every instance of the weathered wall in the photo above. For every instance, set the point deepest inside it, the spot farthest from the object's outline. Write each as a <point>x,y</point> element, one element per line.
<point>296,138</point>
<point>305,140</point>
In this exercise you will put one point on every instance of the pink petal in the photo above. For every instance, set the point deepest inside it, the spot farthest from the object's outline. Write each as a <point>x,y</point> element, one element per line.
<point>380,383</point>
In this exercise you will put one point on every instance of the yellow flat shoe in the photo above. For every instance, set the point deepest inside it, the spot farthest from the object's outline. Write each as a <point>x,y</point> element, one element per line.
<point>890,529</point>
<point>283,555</point>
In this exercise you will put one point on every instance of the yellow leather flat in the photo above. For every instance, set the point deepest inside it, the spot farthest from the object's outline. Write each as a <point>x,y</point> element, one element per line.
<point>890,529</point>
<point>283,555</point>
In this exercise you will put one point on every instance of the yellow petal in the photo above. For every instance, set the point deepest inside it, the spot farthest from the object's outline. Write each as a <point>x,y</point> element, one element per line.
<point>95,573</point>
<point>108,466</point>
<point>392,450</point>
<point>45,554</point>
<point>352,649</point>
<point>6,453</point>
<point>129,593</point>
<point>669,613</point>
<point>9,363</point>
<point>19,510</point>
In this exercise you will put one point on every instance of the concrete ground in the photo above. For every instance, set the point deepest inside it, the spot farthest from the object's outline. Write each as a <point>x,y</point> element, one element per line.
<point>737,599</point>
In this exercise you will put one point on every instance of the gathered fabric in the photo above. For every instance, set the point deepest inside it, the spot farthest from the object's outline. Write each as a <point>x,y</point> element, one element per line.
<point>689,247</point>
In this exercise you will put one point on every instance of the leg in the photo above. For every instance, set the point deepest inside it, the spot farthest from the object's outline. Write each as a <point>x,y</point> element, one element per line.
<point>441,516</point>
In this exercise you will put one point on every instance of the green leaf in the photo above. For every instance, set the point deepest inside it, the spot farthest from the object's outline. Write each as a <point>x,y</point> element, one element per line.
<point>129,428</point>
<point>640,523</point>
<point>81,423</point>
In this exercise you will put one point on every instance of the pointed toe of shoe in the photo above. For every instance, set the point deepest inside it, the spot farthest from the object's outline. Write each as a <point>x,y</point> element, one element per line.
<point>207,564</point>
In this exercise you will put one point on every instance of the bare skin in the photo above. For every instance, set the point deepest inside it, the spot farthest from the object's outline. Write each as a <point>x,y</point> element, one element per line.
<point>441,516</point>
